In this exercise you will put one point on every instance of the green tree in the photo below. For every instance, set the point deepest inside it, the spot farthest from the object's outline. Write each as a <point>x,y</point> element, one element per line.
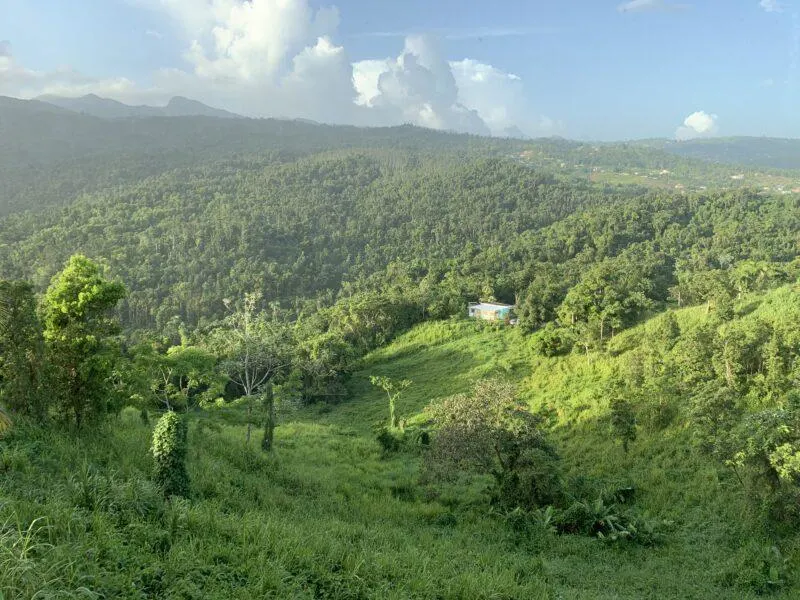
<point>255,347</point>
<point>491,431</point>
<point>623,422</point>
<point>21,350</point>
<point>393,389</point>
<point>169,449</point>
<point>78,334</point>
<point>186,375</point>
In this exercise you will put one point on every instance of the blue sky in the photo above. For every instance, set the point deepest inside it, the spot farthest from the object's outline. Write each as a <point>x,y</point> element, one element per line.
<point>587,69</point>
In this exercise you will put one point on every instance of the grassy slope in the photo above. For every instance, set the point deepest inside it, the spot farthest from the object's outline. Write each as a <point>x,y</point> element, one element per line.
<point>326,517</point>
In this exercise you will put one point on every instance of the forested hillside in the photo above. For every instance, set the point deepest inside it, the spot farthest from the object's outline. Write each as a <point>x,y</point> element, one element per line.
<point>331,513</point>
<point>48,155</point>
<point>186,240</point>
<point>773,153</point>
<point>235,363</point>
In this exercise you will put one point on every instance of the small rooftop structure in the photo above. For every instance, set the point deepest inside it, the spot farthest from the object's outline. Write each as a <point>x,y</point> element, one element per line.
<point>491,311</point>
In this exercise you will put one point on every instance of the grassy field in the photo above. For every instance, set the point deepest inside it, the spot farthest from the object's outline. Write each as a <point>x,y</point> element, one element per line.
<point>327,516</point>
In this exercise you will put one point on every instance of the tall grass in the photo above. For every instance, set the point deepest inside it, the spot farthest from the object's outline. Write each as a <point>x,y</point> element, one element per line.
<point>326,515</point>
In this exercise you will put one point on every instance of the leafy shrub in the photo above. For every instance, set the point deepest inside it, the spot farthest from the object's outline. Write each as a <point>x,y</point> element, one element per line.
<point>577,518</point>
<point>411,440</point>
<point>490,431</point>
<point>658,413</point>
<point>609,522</point>
<point>552,340</point>
<point>762,569</point>
<point>623,422</point>
<point>388,440</point>
<point>533,481</point>
<point>169,451</point>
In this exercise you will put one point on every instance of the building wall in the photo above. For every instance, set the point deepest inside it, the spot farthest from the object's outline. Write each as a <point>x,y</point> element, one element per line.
<point>490,315</point>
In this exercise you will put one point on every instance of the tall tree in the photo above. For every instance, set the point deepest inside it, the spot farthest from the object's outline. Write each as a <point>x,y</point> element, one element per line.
<point>78,334</point>
<point>21,349</point>
<point>255,347</point>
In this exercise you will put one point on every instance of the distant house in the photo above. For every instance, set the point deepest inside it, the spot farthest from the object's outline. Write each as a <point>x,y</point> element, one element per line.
<point>491,311</point>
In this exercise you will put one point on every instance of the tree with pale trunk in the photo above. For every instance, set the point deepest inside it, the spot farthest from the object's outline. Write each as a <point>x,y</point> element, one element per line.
<point>255,346</point>
<point>393,390</point>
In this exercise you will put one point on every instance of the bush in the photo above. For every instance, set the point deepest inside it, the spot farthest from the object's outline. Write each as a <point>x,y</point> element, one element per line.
<point>169,451</point>
<point>411,440</point>
<point>609,522</point>
<point>491,432</point>
<point>552,340</point>
<point>389,442</point>
<point>623,422</point>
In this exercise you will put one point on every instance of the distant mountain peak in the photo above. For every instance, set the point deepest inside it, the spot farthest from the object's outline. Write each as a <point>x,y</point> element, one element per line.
<point>106,108</point>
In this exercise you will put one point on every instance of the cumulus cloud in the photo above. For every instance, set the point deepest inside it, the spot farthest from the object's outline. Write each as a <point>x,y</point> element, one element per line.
<point>650,6</point>
<point>418,87</point>
<point>697,125</point>
<point>500,100</point>
<point>771,5</point>
<point>279,58</point>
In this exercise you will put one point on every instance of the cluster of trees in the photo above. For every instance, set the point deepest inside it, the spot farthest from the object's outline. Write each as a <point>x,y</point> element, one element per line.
<point>731,379</point>
<point>64,356</point>
<point>58,357</point>
<point>315,230</point>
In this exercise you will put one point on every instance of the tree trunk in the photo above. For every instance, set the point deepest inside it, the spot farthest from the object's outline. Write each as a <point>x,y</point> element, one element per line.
<point>249,420</point>
<point>269,420</point>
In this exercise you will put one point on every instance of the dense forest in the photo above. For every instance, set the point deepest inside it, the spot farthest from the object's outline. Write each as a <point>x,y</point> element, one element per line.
<point>223,339</point>
<point>765,152</point>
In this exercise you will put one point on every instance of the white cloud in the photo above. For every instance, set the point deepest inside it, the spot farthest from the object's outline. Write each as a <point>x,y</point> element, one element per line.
<point>771,5</point>
<point>499,98</point>
<point>419,87</point>
<point>279,58</point>
<point>697,125</point>
<point>252,40</point>
<point>365,79</point>
<point>650,6</point>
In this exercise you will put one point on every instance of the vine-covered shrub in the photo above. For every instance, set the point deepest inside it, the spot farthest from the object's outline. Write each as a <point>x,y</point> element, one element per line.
<point>169,452</point>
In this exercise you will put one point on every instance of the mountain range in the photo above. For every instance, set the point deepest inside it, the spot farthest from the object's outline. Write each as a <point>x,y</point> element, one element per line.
<point>105,108</point>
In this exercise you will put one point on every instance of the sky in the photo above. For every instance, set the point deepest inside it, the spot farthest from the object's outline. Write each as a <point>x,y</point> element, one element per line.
<point>582,69</point>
